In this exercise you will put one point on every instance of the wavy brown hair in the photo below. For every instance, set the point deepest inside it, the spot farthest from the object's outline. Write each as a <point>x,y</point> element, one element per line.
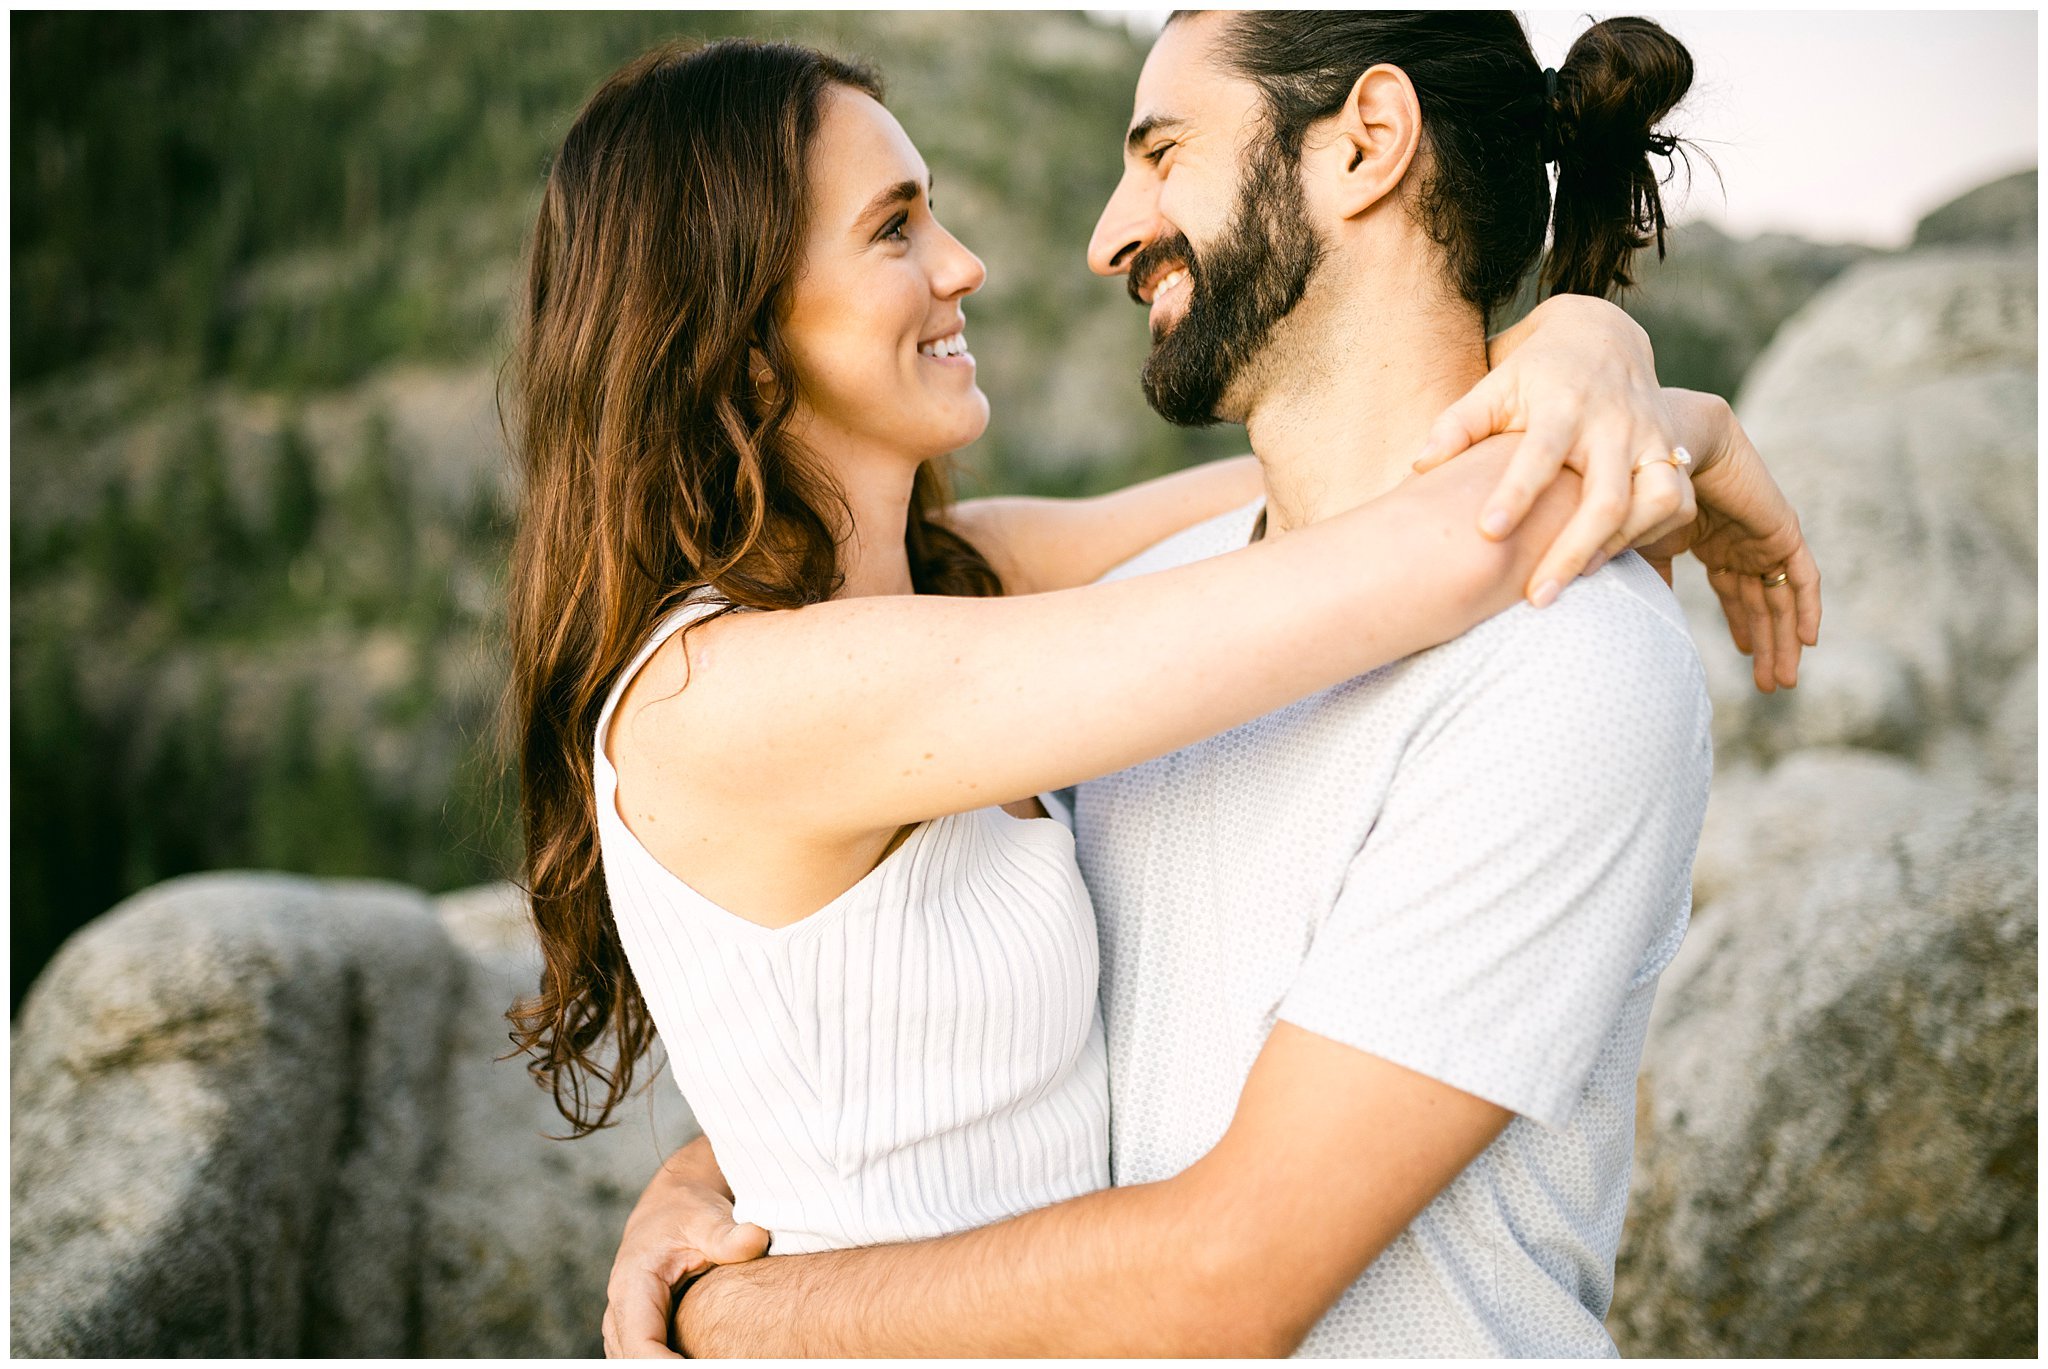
<point>655,461</point>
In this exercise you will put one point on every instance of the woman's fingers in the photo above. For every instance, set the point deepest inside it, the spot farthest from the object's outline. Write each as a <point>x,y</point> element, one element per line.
<point>1805,577</point>
<point>1660,503</point>
<point>1761,643</point>
<point>1480,414</point>
<point>1772,623</point>
<point>1603,510</point>
<point>1722,582</point>
<point>1784,608</point>
<point>1535,464</point>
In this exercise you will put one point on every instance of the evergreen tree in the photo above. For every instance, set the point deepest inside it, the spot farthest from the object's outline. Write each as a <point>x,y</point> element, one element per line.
<point>294,494</point>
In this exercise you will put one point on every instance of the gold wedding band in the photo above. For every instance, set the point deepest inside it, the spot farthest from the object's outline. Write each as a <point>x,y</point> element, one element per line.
<point>1679,457</point>
<point>1772,582</point>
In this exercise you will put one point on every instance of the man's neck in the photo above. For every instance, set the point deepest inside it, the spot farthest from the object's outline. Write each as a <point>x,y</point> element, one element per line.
<point>1339,419</point>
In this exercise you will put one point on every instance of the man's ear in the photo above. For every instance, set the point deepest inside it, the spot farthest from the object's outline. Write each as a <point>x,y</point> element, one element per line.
<point>1378,130</point>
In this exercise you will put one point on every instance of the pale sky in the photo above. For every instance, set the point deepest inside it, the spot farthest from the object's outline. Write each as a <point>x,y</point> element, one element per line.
<point>1836,124</point>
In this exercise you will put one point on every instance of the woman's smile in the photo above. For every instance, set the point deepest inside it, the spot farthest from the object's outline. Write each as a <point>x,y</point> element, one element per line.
<point>949,351</point>
<point>879,266</point>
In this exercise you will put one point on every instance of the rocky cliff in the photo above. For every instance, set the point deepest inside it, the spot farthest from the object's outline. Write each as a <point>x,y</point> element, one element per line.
<point>1837,1110</point>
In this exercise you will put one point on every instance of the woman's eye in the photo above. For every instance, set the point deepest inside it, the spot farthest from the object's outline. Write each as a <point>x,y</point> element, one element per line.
<point>896,227</point>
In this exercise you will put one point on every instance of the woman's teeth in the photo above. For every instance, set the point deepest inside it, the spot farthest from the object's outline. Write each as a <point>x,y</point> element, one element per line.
<point>953,346</point>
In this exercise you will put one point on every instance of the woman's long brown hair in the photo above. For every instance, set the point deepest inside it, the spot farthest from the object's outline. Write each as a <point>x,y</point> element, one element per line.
<point>672,222</point>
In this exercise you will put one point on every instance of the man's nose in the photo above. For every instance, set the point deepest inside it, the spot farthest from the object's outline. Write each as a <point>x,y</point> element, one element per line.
<point>1129,221</point>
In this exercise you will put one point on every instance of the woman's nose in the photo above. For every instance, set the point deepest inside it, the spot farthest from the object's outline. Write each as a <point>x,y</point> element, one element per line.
<point>960,272</point>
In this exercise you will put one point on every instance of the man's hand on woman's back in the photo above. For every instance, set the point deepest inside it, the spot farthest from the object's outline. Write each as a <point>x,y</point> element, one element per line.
<point>681,1226</point>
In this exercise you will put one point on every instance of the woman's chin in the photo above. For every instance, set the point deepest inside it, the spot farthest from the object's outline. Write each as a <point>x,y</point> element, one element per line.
<point>966,427</point>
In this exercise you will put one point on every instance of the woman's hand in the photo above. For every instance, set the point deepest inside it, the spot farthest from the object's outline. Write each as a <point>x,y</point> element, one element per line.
<point>681,1226</point>
<point>1577,377</point>
<point>1747,535</point>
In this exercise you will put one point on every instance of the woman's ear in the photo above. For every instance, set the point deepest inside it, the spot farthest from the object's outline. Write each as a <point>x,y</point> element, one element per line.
<point>1378,130</point>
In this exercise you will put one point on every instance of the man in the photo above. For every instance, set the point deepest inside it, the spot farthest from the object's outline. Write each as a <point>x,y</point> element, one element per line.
<point>1376,967</point>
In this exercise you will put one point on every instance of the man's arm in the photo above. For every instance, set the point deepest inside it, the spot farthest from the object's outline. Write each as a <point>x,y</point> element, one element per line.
<point>1527,864</point>
<point>682,1223</point>
<point>1331,1154</point>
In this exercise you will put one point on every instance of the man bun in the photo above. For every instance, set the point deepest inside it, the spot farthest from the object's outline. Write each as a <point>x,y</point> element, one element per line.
<point>1618,82</point>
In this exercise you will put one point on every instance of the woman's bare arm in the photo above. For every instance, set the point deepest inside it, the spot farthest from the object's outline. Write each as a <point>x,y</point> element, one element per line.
<point>1039,544</point>
<point>1576,374</point>
<point>863,715</point>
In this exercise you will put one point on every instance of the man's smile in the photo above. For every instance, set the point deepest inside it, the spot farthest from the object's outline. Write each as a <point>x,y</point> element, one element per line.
<point>1166,293</point>
<point>1168,275</point>
<point>1169,301</point>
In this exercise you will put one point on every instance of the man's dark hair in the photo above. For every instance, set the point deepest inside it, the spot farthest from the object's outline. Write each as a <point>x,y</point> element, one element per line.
<point>1491,117</point>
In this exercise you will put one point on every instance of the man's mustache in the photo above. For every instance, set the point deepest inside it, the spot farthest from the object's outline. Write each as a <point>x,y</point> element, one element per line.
<point>1173,251</point>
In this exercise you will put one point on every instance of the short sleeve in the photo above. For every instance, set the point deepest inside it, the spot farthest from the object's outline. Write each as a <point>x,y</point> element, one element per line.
<point>1531,859</point>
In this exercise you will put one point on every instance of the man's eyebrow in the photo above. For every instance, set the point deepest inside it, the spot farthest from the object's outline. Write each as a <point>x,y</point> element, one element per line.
<point>894,195</point>
<point>1147,126</point>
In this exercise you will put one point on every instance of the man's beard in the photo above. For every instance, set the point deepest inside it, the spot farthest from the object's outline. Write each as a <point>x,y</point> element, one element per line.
<point>1239,288</point>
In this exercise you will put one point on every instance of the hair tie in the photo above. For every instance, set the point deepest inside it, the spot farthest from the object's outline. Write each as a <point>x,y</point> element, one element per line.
<point>1548,139</point>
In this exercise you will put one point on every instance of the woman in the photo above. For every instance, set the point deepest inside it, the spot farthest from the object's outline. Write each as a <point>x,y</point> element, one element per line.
<point>773,698</point>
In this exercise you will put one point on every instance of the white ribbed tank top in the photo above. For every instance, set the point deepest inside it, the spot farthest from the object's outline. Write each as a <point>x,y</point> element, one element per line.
<point>921,1055</point>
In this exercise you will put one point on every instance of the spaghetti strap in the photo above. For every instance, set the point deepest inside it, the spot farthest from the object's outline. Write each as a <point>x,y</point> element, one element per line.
<point>923,1054</point>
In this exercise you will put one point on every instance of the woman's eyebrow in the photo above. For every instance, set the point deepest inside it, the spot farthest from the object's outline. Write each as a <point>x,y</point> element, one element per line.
<point>894,195</point>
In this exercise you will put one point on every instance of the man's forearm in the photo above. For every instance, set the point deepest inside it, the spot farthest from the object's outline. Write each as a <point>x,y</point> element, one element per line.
<point>1120,1272</point>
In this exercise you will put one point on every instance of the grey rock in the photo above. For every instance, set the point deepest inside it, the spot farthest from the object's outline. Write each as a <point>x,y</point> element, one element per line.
<point>2011,751</point>
<point>2005,212</point>
<point>1714,302</point>
<point>263,1115</point>
<point>1837,1117</point>
<point>519,1230</point>
<point>1810,807</point>
<point>1898,411</point>
<point>222,1096</point>
<point>1837,1113</point>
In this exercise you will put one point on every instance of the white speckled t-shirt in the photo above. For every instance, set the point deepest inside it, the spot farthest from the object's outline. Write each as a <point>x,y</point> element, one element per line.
<point>1474,863</point>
